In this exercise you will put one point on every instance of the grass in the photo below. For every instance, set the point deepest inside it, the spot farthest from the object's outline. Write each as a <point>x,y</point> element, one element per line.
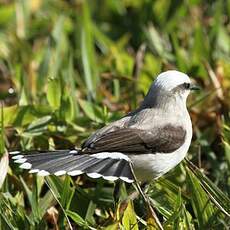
<point>78,65</point>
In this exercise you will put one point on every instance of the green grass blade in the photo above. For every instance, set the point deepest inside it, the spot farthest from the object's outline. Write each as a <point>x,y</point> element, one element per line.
<point>220,199</point>
<point>54,93</point>
<point>87,51</point>
<point>200,201</point>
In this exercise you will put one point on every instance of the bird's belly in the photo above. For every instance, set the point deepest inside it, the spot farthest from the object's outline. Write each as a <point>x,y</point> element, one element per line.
<point>152,166</point>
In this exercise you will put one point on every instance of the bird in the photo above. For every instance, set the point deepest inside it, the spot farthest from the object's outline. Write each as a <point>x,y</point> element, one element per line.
<point>144,144</point>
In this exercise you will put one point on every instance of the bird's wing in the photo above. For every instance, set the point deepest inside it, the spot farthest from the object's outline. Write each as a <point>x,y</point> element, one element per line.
<point>164,139</point>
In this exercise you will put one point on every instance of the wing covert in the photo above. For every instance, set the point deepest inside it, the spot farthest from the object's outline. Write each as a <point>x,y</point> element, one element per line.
<point>136,141</point>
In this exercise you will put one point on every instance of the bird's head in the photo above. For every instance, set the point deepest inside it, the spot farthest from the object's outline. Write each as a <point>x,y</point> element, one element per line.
<point>170,84</point>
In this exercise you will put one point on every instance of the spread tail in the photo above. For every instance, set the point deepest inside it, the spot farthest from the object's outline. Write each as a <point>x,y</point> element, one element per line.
<point>60,162</point>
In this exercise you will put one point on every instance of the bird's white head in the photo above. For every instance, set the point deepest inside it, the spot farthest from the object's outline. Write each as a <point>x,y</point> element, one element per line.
<point>169,84</point>
<point>172,79</point>
<point>172,83</point>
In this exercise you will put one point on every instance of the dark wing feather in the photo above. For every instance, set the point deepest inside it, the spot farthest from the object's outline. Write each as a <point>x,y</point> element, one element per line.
<point>131,140</point>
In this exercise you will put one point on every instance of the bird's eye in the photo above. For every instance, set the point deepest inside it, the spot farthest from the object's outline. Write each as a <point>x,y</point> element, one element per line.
<point>187,85</point>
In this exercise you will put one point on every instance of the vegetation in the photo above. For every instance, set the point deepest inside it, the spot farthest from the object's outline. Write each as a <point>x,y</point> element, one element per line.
<point>77,65</point>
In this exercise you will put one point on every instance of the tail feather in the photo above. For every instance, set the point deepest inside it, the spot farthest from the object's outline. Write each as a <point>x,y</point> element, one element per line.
<point>70,165</point>
<point>49,162</point>
<point>55,164</point>
<point>101,166</point>
<point>42,155</point>
<point>111,171</point>
<point>120,167</point>
<point>70,162</point>
<point>126,173</point>
<point>76,164</point>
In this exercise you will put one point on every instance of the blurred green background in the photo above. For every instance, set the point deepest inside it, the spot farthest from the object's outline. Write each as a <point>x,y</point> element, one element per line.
<point>70,67</point>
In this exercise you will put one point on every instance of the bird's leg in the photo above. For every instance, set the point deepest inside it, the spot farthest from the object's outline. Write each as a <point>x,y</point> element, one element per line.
<point>145,198</point>
<point>120,191</point>
<point>116,192</point>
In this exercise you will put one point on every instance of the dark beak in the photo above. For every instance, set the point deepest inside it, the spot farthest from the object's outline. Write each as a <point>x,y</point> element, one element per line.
<point>194,87</point>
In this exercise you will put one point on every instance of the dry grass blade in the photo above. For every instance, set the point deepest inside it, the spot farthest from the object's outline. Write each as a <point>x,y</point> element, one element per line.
<point>4,164</point>
<point>215,82</point>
